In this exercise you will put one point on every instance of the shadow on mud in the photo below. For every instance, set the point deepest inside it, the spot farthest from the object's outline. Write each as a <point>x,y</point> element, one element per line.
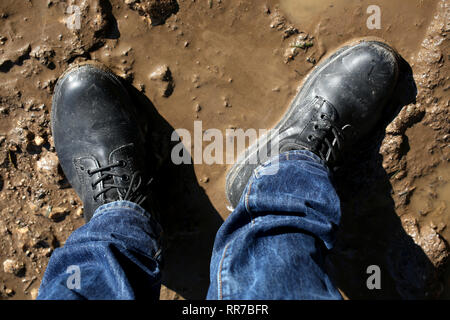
<point>188,218</point>
<point>371,232</point>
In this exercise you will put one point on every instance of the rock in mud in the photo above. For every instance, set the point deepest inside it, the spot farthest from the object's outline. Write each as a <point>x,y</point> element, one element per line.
<point>156,10</point>
<point>9,292</point>
<point>97,24</point>
<point>44,55</point>
<point>13,266</point>
<point>56,213</point>
<point>279,22</point>
<point>163,77</point>
<point>34,293</point>
<point>48,169</point>
<point>79,212</point>
<point>21,238</point>
<point>39,141</point>
<point>301,42</point>
<point>48,164</point>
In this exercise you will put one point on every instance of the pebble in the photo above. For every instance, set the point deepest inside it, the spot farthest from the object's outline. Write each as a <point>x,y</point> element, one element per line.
<point>226,103</point>
<point>13,266</point>
<point>79,212</point>
<point>163,75</point>
<point>204,180</point>
<point>56,213</point>
<point>48,163</point>
<point>39,141</point>
<point>9,292</point>
<point>34,293</point>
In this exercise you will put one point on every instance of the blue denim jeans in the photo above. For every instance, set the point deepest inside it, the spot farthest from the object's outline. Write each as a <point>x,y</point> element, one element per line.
<point>271,247</point>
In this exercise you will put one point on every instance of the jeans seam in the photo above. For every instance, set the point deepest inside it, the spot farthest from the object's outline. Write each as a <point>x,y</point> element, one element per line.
<point>247,208</point>
<point>219,276</point>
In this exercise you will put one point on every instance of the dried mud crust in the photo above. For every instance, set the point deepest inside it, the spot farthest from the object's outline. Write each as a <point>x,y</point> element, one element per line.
<point>157,11</point>
<point>230,64</point>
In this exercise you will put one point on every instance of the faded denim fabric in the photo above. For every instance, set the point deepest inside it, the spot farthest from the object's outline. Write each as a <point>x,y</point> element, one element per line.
<point>117,254</point>
<point>271,247</point>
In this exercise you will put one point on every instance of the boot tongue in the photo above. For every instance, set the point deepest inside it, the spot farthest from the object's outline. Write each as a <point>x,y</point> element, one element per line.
<point>320,119</point>
<point>124,155</point>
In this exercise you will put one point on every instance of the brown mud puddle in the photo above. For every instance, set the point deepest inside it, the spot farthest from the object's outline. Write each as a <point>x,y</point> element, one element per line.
<point>233,64</point>
<point>402,23</point>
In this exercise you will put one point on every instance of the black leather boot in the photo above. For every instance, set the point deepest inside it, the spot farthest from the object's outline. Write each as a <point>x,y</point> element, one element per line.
<point>340,102</point>
<point>97,139</point>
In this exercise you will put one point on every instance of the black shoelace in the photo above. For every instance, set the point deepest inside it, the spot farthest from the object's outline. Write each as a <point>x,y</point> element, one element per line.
<point>335,146</point>
<point>134,192</point>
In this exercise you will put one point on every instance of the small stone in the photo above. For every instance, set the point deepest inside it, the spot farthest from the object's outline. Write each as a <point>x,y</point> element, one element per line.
<point>79,212</point>
<point>48,168</point>
<point>13,266</point>
<point>311,60</point>
<point>48,163</point>
<point>39,141</point>
<point>226,103</point>
<point>23,231</point>
<point>34,293</point>
<point>161,73</point>
<point>163,76</point>
<point>204,180</point>
<point>56,213</point>
<point>47,252</point>
<point>9,292</point>
<point>44,55</point>
<point>141,87</point>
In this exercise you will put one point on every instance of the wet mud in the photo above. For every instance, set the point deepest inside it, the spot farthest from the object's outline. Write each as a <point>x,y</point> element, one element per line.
<point>229,64</point>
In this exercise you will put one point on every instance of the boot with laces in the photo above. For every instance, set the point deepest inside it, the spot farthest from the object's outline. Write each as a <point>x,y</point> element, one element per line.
<point>340,102</point>
<point>97,139</point>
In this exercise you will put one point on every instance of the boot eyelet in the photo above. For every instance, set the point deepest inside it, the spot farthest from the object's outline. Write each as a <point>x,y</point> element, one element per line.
<point>122,163</point>
<point>125,177</point>
<point>322,116</point>
<point>81,168</point>
<point>310,138</point>
<point>316,127</point>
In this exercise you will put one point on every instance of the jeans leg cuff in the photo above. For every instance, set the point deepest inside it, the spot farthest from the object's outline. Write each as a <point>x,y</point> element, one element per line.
<point>121,205</point>
<point>305,155</point>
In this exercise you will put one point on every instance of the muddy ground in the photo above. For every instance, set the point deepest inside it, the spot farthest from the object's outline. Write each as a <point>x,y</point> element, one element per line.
<point>233,64</point>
